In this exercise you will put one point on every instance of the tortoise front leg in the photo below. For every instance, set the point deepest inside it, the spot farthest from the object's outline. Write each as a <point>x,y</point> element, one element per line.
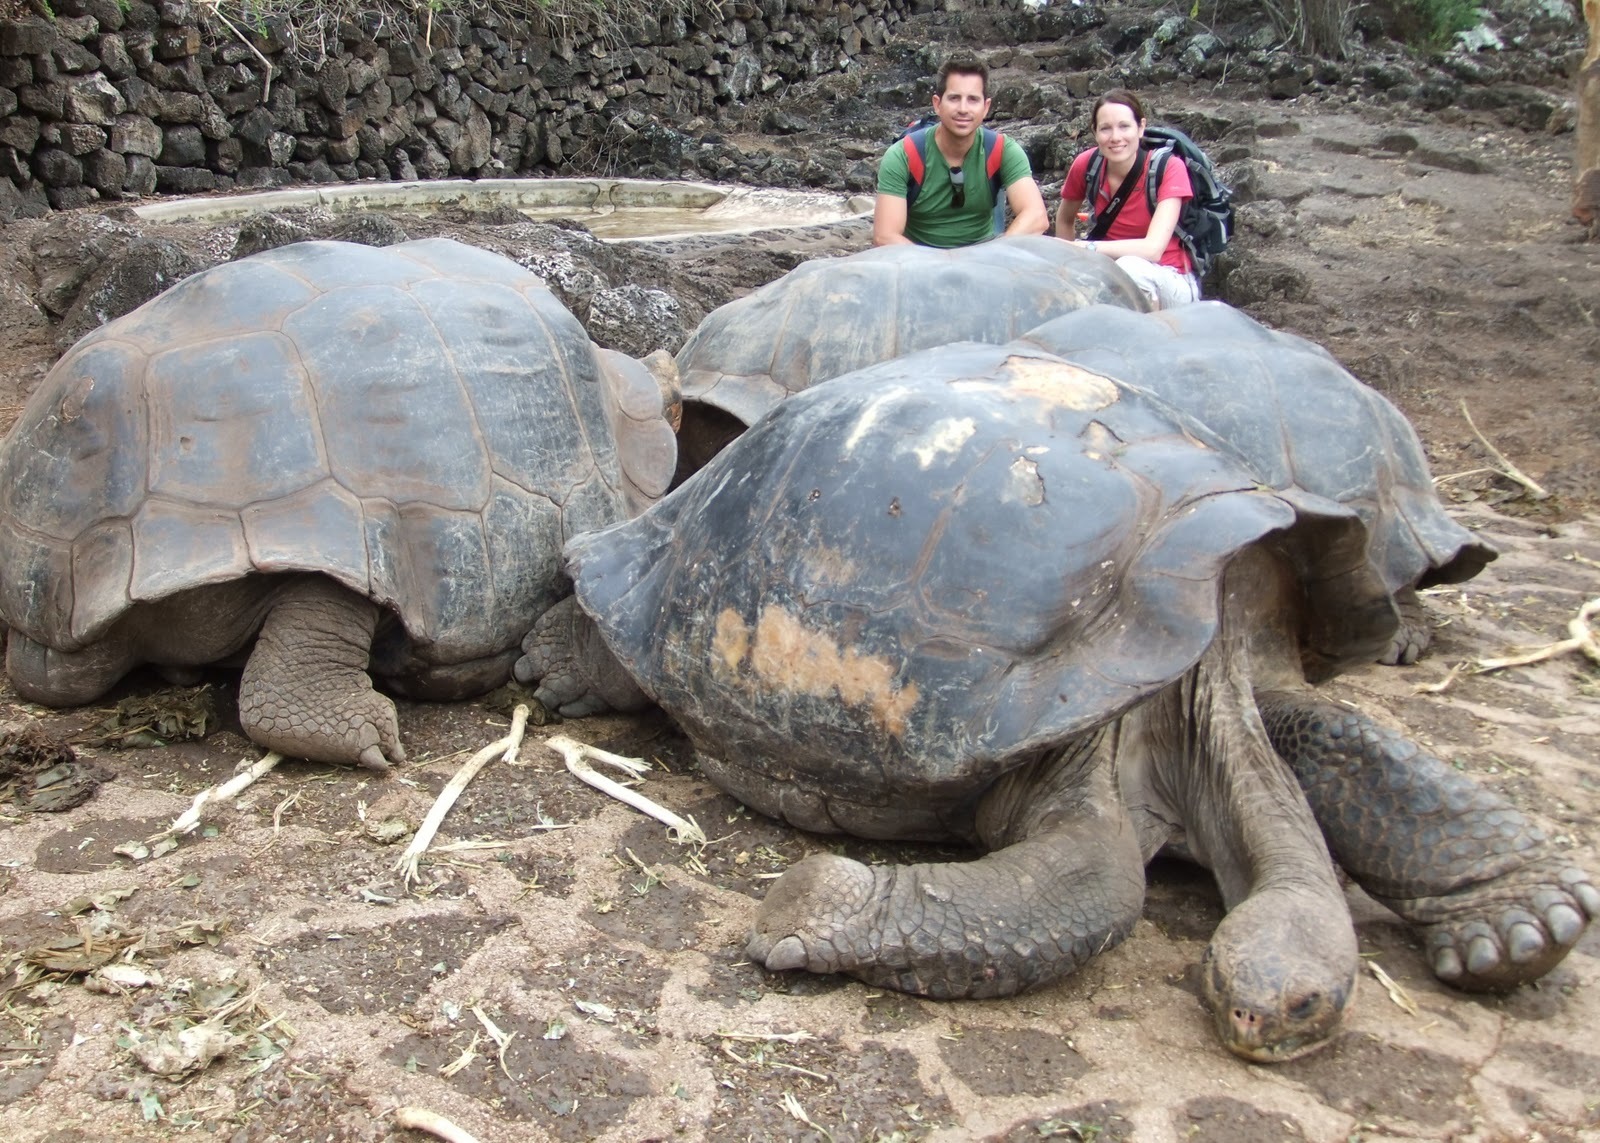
<point>1066,884</point>
<point>305,691</point>
<point>1498,904</point>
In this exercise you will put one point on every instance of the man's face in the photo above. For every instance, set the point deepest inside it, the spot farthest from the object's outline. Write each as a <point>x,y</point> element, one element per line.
<point>962,107</point>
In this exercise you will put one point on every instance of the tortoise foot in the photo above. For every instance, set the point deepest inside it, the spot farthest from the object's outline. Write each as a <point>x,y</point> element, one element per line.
<point>359,730</point>
<point>570,669</point>
<point>812,918</point>
<point>1414,635</point>
<point>1509,930</point>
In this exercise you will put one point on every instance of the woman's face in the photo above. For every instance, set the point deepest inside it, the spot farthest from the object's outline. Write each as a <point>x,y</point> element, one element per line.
<point>1117,132</point>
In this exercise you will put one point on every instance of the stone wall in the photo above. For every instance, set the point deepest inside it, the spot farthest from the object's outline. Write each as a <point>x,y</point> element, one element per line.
<point>115,98</point>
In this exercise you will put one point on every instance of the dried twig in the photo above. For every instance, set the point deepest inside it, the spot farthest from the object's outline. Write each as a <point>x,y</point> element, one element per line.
<point>468,1054</point>
<point>266,82</point>
<point>684,831</point>
<point>792,1106</point>
<point>1581,639</point>
<point>406,864</point>
<point>768,1037</point>
<point>421,1119</point>
<point>1507,469</point>
<point>247,775</point>
<point>501,1038</point>
<point>1399,995</point>
<point>1443,684</point>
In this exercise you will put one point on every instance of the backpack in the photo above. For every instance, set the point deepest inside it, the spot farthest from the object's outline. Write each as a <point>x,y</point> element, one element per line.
<point>915,139</point>
<point>1206,223</point>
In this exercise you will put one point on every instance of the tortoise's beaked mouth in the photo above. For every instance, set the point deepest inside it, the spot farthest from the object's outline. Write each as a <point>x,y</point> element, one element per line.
<point>1278,1053</point>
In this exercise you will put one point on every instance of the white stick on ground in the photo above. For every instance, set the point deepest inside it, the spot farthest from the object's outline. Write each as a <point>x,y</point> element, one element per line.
<point>406,864</point>
<point>1507,469</point>
<point>681,830</point>
<point>421,1119</point>
<point>243,779</point>
<point>1581,639</point>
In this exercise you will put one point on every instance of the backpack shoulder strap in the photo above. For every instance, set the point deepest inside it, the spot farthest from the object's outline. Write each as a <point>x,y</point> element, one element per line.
<point>916,148</point>
<point>1154,170</point>
<point>994,153</point>
<point>1092,178</point>
<point>915,144</point>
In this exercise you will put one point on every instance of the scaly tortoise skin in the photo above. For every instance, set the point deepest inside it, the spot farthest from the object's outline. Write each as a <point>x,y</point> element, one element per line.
<point>984,594</point>
<point>338,451</point>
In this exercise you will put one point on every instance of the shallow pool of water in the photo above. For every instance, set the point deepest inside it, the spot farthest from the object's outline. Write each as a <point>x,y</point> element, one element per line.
<point>616,210</point>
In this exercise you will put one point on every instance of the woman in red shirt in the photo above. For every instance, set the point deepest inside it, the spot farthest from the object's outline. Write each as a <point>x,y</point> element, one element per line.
<point>1143,242</point>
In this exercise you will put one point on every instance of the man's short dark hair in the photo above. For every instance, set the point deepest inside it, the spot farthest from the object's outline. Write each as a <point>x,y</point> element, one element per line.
<point>962,63</point>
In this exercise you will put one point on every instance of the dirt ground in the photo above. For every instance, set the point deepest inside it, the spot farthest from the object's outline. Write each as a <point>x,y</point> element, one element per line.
<point>578,976</point>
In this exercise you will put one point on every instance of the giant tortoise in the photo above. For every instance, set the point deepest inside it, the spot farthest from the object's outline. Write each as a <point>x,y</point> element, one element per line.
<point>829,316</point>
<point>338,451</point>
<point>1283,402</point>
<point>981,593</point>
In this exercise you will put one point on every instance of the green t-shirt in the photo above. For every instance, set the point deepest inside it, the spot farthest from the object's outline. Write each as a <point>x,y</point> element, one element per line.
<point>932,221</point>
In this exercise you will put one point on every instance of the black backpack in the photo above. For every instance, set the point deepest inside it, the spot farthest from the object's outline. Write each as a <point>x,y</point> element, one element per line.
<point>1206,223</point>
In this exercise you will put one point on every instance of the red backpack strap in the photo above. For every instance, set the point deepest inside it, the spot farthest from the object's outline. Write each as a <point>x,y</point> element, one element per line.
<point>916,148</point>
<point>997,154</point>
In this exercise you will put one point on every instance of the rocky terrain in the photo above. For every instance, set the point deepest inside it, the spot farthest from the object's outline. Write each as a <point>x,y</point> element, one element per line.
<point>576,975</point>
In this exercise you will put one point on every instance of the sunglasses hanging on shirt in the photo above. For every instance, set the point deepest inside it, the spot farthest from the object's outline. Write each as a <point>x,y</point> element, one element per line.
<point>958,189</point>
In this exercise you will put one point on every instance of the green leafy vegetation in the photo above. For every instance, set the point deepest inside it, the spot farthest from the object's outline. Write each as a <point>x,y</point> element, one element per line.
<point>1434,23</point>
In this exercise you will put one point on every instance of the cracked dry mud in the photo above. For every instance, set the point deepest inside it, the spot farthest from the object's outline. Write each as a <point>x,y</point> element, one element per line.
<point>614,964</point>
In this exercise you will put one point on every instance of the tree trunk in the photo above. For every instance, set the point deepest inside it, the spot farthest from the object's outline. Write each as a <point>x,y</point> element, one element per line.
<point>1586,191</point>
<point>1325,26</point>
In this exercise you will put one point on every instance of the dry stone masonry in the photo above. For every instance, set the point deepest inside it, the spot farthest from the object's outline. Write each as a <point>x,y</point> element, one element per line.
<point>123,97</point>
<point>118,98</point>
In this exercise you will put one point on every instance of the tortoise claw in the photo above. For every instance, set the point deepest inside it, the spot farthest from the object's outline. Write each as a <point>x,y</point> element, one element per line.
<point>787,954</point>
<point>1447,964</point>
<point>1495,944</point>
<point>372,759</point>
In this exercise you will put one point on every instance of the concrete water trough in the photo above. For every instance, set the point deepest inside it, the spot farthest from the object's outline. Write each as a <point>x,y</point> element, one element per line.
<point>617,210</point>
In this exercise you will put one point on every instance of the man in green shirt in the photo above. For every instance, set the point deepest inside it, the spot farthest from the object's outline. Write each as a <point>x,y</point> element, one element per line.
<point>954,205</point>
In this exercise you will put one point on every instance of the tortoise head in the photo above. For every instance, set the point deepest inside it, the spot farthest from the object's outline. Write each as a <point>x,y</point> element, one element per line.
<point>644,406</point>
<point>1277,978</point>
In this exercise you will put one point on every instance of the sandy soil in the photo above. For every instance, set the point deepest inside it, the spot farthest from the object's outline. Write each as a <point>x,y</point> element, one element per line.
<point>612,960</point>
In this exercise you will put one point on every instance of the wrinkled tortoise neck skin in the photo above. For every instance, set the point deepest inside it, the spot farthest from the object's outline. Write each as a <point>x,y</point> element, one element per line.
<point>1201,778</point>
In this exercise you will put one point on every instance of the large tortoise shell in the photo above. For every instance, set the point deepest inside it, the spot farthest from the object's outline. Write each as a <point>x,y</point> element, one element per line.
<point>909,579</point>
<point>829,316</point>
<point>424,423</point>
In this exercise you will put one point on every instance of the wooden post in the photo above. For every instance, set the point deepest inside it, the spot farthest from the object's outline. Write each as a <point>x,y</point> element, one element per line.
<point>1586,190</point>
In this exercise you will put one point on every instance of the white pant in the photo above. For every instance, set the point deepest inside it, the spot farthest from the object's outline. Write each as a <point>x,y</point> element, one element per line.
<point>1163,286</point>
